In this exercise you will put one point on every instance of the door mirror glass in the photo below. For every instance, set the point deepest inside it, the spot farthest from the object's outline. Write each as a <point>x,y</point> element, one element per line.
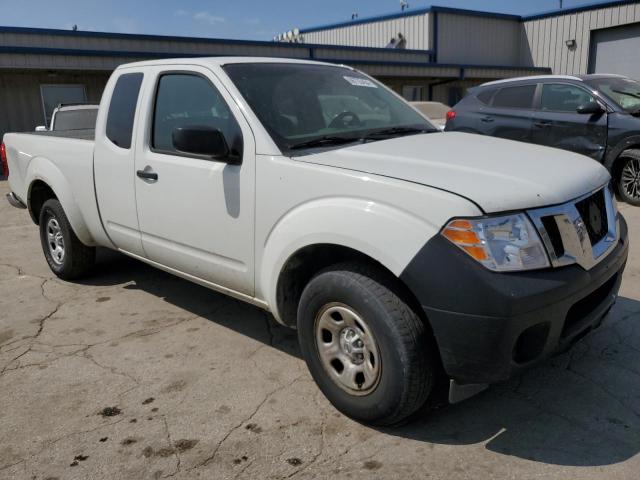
<point>590,108</point>
<point>201,140</point>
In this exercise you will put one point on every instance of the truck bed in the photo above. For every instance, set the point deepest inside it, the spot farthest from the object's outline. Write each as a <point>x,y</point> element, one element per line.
<point>63,155</point>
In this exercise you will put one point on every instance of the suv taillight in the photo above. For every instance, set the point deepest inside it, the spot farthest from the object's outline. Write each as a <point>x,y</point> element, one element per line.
<point>451,114</point>
<point>3,160</point>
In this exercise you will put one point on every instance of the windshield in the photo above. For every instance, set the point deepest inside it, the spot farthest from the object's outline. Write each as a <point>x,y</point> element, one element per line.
<point>75,119</point>
<point>317,106</point>
<point>624,91</point>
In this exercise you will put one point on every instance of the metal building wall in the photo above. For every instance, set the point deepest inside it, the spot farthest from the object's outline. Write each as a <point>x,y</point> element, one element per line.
<point>415,29</point>
<point>477,40</point>
<point>543,39</point>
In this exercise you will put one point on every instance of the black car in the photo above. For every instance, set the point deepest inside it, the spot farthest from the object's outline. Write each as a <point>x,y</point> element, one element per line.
<point>596,115</point>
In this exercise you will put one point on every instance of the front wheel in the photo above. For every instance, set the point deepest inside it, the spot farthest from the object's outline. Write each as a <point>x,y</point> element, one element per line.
<point>367,350</point>
<point>66,255</point>
<point>629,177</point>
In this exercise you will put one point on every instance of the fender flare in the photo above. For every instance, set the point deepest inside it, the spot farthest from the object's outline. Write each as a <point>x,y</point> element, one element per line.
<point>621,146</point>
<point>385,233</point>
<point>44,170</point>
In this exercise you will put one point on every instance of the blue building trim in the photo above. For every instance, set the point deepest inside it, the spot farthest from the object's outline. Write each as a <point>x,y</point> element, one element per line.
<point>581,8</point>
<point>360,21</point>
<point>160,55</point>
<point>434,55</point>
<point>167,38</point>
<point>473,13</point>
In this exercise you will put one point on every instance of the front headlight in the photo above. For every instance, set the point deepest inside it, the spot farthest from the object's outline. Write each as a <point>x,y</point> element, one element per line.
<point>502,244</point>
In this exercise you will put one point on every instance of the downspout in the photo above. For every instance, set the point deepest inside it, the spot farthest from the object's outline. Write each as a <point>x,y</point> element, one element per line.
<point>434,55</point>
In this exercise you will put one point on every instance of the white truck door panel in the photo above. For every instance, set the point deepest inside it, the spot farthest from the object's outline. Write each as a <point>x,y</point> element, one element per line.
<point>114,166</point>
<point>198,216</point>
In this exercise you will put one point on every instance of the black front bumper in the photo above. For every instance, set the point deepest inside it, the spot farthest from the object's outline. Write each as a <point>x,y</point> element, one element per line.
<point>490,325</point>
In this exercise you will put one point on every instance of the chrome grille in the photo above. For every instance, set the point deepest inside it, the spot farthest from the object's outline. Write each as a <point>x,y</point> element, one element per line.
<point>582,231</point>
<point>593,212</point>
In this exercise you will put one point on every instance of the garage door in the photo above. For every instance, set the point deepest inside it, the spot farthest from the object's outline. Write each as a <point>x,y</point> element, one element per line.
<point>615,50</point>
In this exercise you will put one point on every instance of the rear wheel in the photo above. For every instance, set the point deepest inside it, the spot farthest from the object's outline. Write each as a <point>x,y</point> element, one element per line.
<point>629,177</point>
<point>367,350</point>
<point>66,255</point>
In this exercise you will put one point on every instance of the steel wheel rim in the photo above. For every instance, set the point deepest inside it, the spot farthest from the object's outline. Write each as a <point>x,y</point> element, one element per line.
<point>55,241</point>
<point>347,349</point>
<point>630,179</point>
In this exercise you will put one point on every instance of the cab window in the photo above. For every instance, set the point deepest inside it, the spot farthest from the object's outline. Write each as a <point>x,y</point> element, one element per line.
<point>184,100</point>
<point>563,98</point>
<point>122,109</point>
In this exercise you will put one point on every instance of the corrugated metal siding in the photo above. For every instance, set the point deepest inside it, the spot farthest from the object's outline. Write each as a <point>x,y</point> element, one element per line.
<point>20,96</point>
<point>543,40</point>
<point>478,40</point>
<point>377,33</point>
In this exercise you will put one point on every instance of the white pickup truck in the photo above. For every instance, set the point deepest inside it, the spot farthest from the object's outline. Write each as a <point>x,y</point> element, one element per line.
<point>407,258</point>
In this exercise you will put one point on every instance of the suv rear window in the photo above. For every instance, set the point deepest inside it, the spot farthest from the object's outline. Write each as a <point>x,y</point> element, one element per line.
<point>122,109</point>
<point>515,97</point>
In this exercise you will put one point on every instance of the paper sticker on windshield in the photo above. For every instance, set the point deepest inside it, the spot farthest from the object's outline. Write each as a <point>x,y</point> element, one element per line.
<point>360,82</point>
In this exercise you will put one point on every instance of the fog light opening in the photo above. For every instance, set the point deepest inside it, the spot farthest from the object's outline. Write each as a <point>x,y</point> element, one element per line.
<point>530,343</point>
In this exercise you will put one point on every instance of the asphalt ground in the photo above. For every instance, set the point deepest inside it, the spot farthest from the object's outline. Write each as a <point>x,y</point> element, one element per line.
<point>132,373</point>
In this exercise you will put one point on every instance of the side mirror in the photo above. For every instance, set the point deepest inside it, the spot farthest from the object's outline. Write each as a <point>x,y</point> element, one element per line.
<point>202,140</point>
<point>41,128</point>
<point>590,108</point>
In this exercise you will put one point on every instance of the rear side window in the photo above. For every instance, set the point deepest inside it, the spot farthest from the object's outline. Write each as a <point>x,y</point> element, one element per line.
<point>515,97</point>
<point>122,109</point>
<point>486,95</point>
<point>563,98</point>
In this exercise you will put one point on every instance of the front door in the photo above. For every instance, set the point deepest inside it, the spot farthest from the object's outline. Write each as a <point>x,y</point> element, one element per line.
<point>558,124</point>
<point>197,215</point>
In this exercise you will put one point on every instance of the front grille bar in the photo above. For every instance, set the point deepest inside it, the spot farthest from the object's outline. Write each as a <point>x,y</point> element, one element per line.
<point>573,232</point>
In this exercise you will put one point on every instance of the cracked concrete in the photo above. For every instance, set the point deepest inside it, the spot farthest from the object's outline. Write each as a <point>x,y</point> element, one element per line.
<point>133,373</point>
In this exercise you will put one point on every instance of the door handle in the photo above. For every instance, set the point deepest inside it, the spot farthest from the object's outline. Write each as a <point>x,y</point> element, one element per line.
<point>487,119</point>
<point>147,174</point>
<point>542,124</point>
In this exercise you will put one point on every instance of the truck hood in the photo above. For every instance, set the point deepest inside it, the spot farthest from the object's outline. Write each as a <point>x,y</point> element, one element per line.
<point>498,175</point>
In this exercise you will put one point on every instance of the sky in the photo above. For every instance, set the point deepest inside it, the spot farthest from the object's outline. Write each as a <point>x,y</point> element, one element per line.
<point>237,19</point>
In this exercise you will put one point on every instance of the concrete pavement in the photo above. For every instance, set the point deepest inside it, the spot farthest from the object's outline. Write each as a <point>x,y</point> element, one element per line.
<point>132,373</point>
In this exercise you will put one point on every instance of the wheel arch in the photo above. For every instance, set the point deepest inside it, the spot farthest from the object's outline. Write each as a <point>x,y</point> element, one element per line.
<point>306,262</point>
<point>46,181</point>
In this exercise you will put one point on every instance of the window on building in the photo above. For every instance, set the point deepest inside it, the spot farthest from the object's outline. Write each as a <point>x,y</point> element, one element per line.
<point>413,93</point>
<point>122,109</point>
<point>183,100</point>
<point>563,98</point>
<point>515,97</point>
<point>54,95</point>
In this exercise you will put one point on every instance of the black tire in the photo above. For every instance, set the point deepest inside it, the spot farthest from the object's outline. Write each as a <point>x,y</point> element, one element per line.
<point>78,258</point>
<point>628,162</point>
<point>407,365</point>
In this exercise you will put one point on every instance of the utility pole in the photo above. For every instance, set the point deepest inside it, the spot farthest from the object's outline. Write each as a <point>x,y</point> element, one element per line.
<point>560,4</point>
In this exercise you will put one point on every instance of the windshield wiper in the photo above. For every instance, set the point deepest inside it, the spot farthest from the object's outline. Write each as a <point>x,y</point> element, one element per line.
<point>396,132</point>
<point>325,141</point>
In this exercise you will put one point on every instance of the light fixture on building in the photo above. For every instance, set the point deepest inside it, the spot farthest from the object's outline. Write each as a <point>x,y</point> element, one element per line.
<point>571,44</point>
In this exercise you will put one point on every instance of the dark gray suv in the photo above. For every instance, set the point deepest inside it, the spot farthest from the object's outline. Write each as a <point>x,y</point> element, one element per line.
<point>596,115</point>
